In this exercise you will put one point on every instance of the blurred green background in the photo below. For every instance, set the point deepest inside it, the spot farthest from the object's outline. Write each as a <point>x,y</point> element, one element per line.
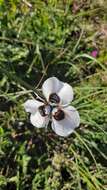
<point>66,39</point>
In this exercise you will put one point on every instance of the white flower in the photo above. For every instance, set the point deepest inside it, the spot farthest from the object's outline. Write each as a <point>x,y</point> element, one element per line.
<point>65,118</point>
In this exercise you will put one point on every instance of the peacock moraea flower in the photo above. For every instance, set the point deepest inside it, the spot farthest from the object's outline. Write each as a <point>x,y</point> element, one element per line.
<point>56,108</point>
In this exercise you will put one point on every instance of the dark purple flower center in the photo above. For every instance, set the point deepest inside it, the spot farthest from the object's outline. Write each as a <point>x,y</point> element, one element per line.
<point>59,115</point>
<point>42,110</point>
<point>45,110</point>
<point>54,98</point>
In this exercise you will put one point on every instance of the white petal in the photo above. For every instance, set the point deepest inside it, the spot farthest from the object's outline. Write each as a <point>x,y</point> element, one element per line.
<point>54,85</point>
<point>66,126</point>
<point>31,106</point>
<point>39,121</point>
<point>51,85</point>
<point>66,94</point>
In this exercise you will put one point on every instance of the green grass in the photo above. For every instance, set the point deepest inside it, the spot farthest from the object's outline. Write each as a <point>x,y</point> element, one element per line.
<point>39,39</point>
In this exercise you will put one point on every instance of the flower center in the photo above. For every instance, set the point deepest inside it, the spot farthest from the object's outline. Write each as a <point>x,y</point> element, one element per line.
<point>44,110</point>
<point>54,98</point>
<point>59,115</point>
